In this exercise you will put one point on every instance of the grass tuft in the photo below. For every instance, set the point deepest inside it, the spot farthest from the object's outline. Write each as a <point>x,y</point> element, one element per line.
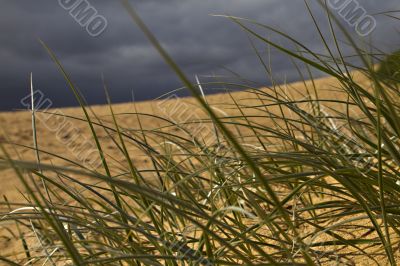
<point>271,176</point>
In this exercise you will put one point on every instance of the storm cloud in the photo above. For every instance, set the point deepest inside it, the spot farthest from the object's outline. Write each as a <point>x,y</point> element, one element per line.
<point>201,43</point>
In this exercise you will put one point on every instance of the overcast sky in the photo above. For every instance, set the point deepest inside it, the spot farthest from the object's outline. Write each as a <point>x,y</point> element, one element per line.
<point>202,44</point>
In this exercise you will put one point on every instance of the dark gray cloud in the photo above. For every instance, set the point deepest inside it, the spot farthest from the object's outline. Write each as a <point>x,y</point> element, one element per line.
<point>202,44</point>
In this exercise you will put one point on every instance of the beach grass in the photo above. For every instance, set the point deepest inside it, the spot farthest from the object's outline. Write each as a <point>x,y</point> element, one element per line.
<point>281,178</point>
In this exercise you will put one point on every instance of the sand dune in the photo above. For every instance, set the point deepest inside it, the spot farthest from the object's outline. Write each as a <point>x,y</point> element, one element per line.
<point>71,138</point>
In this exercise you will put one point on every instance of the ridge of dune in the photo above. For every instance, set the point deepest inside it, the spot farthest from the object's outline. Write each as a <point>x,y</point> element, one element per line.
<point>17,126</point>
